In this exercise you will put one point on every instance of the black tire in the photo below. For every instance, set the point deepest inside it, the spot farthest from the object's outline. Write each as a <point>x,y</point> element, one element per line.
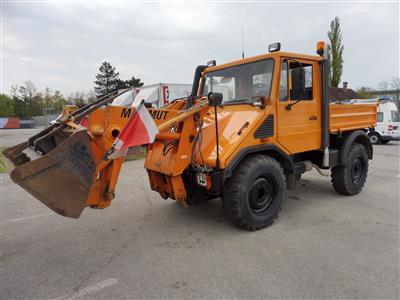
<point>374,138</point>
<point>255,192</point>
<point>350,178</point>
<point>385,141</point>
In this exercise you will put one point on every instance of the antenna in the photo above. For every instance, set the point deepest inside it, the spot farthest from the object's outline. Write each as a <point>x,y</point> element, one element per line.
<point>242,43</point>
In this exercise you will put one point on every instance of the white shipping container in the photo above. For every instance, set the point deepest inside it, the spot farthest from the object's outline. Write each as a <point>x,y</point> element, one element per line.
<point>163,93</point>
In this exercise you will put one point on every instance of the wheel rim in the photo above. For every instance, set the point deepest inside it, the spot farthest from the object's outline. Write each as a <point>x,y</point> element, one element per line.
<point>357,169</point>
<point>373,139</point>
<point>262,193</point>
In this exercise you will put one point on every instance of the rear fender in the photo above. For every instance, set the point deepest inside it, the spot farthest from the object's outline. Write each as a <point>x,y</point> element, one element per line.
<point>357,136</point>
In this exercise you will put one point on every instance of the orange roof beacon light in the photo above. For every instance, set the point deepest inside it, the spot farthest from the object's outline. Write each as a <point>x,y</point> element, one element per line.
<point>320,48</point>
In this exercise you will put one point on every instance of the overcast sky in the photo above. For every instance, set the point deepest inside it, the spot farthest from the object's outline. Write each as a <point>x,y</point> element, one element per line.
<point>62,45</point>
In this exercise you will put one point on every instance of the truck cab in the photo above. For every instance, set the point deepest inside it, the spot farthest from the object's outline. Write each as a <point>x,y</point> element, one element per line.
<point>276,95</point>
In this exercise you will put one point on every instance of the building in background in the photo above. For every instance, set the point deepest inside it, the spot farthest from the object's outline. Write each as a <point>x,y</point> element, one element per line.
<point>343,93</point>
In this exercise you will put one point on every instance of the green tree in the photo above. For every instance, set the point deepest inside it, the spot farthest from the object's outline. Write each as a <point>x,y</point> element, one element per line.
<point>32,99</point>
<point>90,96</point>
<point>80,98</point>
<point>106,80</point>
<point>6,106</point>
<point>130,83</point>
<point>58,101</point>
<point>28,101</point>
<point>19,105</point>
<point>53,101</point>
<point>77,98</point>
<point>365,93</point>
<point>335,52</point>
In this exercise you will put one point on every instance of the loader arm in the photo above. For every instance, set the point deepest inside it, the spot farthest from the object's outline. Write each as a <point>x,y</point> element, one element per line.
<point>67,167</point>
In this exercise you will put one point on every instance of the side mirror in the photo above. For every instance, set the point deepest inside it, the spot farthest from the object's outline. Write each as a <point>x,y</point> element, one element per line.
<point>214,99</point>
<point>298,84</point>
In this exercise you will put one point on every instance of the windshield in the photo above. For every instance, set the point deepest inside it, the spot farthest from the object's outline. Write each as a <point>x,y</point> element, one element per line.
<point>243,83</point>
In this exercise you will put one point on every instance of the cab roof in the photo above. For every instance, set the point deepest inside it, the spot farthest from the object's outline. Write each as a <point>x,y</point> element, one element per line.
<point>275,55</point>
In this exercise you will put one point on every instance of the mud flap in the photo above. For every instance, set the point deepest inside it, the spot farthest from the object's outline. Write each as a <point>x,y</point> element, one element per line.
<point>62,178</point>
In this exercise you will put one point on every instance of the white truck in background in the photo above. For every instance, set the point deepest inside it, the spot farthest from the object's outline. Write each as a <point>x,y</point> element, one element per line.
<point>160,94</point>
<point>155,95</point>
<point>387,121</point>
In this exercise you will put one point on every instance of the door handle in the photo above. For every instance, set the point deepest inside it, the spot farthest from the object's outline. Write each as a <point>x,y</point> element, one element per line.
<point>313,118</point>
<point>243,127</point>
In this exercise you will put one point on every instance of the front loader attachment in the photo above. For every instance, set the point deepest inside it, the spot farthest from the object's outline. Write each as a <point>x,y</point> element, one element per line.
<point>72,165</point>
<point>62,178</point>
<point>65,166</point>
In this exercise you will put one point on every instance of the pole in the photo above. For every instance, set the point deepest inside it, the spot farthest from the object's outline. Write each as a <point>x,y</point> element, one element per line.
<point>216,136</point>
<point>325,111</point>
<point>242,43</point>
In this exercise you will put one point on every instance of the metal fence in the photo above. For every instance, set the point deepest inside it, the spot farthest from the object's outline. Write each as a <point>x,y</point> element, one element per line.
<point>44,120</point>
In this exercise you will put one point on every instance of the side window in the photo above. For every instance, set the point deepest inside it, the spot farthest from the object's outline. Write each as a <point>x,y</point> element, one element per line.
<point>283,82</point>
<point>309,77</point>
<point>379,117</point>
<point>395,116</point>
<point>302,81</point>
<point>296,81</point>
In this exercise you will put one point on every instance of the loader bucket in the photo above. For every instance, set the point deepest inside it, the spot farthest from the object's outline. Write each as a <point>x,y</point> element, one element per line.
<point>62,178</point>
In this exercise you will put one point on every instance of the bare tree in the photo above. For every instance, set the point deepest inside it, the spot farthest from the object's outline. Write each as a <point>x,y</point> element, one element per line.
<point>81,98</point>
<point>28,91</point>
<point>14,91</point>
<point>395,83</point>
<point>383,85</point>
<point>76,98</point>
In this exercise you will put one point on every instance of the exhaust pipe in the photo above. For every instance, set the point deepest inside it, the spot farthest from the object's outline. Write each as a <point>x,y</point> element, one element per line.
<point>195,86</point>
<point>325,112</point>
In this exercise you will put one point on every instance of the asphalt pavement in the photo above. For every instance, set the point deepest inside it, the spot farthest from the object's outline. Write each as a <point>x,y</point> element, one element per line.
<point>323,245</point>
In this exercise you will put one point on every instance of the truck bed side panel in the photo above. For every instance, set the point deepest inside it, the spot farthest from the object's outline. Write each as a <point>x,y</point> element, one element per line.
<point>345,117</point>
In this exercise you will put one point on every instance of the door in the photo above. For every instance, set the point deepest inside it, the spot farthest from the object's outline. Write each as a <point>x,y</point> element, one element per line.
<point>299,106</point>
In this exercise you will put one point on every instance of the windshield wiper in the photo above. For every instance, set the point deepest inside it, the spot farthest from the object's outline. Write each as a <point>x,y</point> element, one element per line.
<point>235,101</point>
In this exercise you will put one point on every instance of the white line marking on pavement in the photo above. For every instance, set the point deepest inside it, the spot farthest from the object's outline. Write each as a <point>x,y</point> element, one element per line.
<point>93,288</point>
<point>28,218</point>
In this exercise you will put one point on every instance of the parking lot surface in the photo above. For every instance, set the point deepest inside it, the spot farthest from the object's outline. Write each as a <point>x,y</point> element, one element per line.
<point>323,245</point>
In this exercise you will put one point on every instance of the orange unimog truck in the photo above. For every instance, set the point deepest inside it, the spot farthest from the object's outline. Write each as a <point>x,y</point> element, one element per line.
<point>246,133</point>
